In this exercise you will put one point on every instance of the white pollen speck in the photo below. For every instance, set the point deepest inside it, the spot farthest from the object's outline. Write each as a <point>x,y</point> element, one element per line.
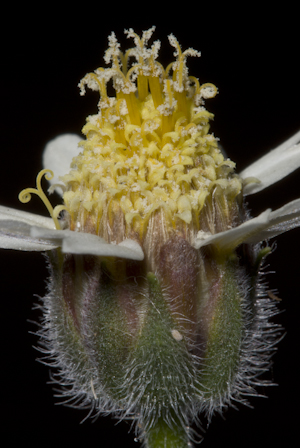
<point>123,108</point>
<point>176,335</point>
<point>201,235</point>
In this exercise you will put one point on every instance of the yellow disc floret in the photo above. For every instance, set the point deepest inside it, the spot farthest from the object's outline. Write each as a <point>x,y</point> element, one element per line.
<point>149,146</point>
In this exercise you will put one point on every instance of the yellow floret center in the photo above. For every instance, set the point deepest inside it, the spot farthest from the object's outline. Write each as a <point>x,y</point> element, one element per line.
<point>149,146</point>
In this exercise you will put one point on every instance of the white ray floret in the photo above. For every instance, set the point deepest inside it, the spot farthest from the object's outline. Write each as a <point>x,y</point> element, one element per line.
<point>29,232</point>
<point>267,225</point>
<point>86,243</point>
<point>58,155</point>
<point>15,226</point>
<point>274,166</point>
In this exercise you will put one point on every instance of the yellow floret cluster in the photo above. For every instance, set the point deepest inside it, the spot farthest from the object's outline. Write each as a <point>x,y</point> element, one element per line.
<point>149,146</point>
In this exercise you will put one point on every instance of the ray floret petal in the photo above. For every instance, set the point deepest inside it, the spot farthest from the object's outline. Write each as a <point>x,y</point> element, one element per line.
<point>57,157</point>
<point>272,167</point>
<point>30,232</point>
<point>15,227</point>
<point>86,243</point>
<point>265,226</point>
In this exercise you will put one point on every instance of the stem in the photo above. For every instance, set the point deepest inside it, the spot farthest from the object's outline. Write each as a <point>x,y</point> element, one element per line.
<point>161,435</point>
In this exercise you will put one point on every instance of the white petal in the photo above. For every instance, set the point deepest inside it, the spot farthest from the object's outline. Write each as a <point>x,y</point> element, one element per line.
<point>86,243</point>
<point>7,213</point>
<point>58,155</point>
<point>15,228</point>
<point>267,225</point>
<point>229,239</point>
<point>51,235</point>
<point>281,220</point>
<point>130,244</point>
<point>274,166</point>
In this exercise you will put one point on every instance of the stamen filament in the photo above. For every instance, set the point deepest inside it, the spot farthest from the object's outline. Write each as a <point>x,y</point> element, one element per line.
<point>167,123</point>
<point>132,106</point>
<point>142,84</point>
<point>57,210</point>
<point>156,92</point>
<point>182,105</point>
<point>101,84</point>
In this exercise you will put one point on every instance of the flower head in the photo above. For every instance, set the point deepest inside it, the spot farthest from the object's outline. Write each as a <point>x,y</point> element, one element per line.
<point>149,163</point>
<point>155,308</point>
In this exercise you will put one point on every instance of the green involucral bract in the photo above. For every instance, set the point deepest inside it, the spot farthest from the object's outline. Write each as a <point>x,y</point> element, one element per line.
<point>155,347</point>
<point>225,333</point>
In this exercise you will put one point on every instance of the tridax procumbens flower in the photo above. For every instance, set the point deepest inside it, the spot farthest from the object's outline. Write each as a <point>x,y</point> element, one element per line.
<point>155,308</point>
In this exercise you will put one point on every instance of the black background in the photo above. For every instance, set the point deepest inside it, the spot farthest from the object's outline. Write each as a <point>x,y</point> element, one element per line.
<point>252,55</point>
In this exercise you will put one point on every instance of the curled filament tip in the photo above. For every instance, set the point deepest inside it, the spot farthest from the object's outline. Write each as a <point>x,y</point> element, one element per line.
<point>25,195</point>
